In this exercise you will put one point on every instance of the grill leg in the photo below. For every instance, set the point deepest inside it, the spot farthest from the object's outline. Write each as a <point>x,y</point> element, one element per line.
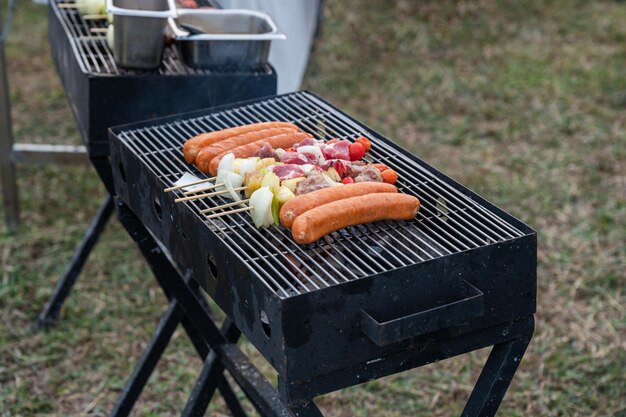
<point>307,410</point>
<point>495,378</point>
<point>7,165</point>
<point>261,393</point>
<point>50,313</point>
<point>210,378</point>
<point>164,271</point>
<point>149,359</point>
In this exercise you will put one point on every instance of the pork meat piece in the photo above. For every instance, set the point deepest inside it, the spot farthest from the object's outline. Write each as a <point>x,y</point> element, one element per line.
<point>288,171</point>
<point>296,158</point>
<point>337,150</point>
<point>369,174</point>
<point>314,181</point>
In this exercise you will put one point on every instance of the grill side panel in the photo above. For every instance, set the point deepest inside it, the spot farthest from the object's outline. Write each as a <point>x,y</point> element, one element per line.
<point>323,331</point>
<point>201,253</point>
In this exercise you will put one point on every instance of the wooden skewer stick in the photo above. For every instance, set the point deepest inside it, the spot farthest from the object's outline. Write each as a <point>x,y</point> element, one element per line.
<point>71,6</point>
<point>225,213</point>
<point>199,190</point>
<point>95,17</point>
<point>90,38</point>
<point>189,184</point>
<point>98,30</point>
<point>195,197</point>
<point>223,206</point>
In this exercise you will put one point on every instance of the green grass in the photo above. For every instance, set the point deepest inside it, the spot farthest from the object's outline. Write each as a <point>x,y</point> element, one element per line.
<point>524,101</point>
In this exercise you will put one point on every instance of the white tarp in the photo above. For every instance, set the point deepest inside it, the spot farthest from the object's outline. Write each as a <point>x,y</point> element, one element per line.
<point>298,20</point>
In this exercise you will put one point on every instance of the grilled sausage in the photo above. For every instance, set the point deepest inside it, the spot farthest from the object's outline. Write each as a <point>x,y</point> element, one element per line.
<point>193,145</point>
<point>320,221</point>
<point>206,154</point>
<point>281,141</point>
<point>305,202</point>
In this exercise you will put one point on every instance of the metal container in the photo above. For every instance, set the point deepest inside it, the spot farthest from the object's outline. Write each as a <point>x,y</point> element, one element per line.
<point>224,38</point>
<point>139,31</point>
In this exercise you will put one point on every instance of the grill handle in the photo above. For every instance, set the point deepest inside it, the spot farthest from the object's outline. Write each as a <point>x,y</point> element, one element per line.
<point>426,321</point>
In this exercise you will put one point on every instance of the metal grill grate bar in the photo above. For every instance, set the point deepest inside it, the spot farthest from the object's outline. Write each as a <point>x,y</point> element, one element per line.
<point>448,222</point>
<point>96,58</point>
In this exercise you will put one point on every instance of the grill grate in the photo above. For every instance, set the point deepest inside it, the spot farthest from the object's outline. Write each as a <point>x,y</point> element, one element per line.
<point>448,221</point>
<point>96,58</point>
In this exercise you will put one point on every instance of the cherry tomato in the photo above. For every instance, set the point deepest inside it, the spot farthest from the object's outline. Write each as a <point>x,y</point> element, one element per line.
<point>357,151</point>
<point>365,142</point>
<point>347,180</point>
<point>381,167</point>
<point>389,176</point>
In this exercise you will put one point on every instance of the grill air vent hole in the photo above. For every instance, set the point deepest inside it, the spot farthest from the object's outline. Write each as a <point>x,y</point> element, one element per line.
<point>157,208</point>
<point>122,171</point>
<point>265,324</point>
<point>212,267</point>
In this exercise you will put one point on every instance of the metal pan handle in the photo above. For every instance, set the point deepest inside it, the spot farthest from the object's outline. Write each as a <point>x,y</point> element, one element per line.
<point>424,322</point>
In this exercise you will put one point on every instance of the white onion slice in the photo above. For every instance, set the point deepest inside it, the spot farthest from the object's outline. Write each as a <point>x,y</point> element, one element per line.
<point>247,165</point>
<point>280,152</point>
<point>189,178</point>
<point>219,179</point>
<point>227,162</point>
<point>261,203</point>
<point>231,188</point>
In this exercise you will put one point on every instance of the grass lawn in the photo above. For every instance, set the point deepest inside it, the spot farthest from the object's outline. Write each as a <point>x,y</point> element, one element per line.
<point>523,101</point>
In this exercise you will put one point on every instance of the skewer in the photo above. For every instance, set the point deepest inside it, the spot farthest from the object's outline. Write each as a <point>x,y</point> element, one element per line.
<point>71,6</point>
<point>195,197</point>
<point>199,190</point>
<point>91,38</point>
<point>98,30</point>
<point>212,216</point>
<point>235,203</point>
<point>178,187</point>
<point>95,17</point>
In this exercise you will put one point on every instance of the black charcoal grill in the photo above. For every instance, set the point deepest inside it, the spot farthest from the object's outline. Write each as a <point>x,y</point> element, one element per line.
<point>360,304</point>
<point>102,95</point>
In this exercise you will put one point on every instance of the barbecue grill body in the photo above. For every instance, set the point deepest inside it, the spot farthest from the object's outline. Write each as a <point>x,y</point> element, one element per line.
<point>316,333</point>
<point>99,101</point>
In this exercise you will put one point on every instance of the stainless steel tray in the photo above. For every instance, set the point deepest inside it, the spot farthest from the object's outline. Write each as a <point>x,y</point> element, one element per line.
<point>230,38</point>
<point>139,31</point>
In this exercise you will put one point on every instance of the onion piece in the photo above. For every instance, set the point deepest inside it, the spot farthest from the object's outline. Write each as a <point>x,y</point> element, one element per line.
<point>261,203</point>
<point>189,178</point>
<point>227,162</point>
<point>235,179</point>
<point>247,165</point>
<point>231,187</point>
<point>280,152</point>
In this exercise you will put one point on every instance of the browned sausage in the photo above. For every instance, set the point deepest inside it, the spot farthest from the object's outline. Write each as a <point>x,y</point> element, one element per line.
<point>193,145</point>
<point>320,221</point>
<point>305,202</point>
<point>206,154</point>
<point>281,141</point>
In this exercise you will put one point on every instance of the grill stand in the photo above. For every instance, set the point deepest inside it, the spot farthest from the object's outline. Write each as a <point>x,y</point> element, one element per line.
<point>50,313</point>
<point>219,351</point>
